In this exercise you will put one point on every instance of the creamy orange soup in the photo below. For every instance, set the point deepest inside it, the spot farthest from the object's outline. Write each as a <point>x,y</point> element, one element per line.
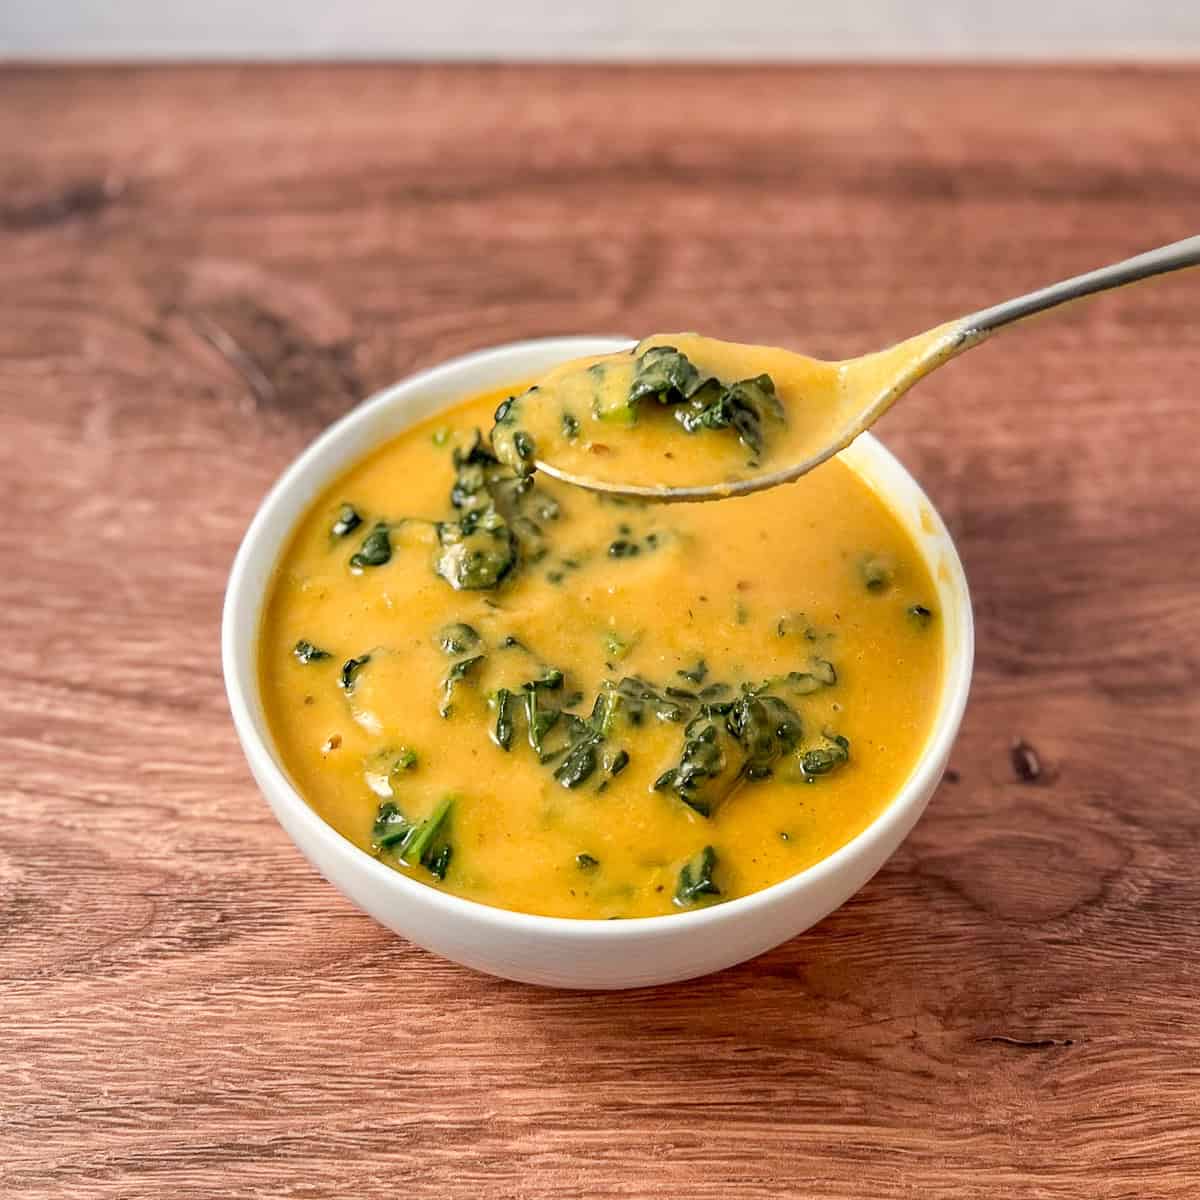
<point>542,699</point>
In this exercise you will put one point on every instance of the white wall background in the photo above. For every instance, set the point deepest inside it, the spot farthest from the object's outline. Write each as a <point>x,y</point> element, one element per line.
<point>600,29</point>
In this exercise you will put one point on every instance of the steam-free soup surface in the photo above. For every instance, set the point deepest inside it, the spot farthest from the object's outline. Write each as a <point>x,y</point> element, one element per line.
<point>544,700</point>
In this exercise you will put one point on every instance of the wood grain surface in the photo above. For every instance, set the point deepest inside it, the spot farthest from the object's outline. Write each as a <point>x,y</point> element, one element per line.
<point>199,268</point>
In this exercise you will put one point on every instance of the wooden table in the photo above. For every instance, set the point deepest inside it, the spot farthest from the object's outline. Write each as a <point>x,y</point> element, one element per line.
<point>201,267</point>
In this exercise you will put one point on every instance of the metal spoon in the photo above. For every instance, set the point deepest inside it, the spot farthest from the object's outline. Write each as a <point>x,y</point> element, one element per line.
<point>880,379</point>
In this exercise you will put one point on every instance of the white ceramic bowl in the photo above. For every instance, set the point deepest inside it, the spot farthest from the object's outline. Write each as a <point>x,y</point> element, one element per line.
<point>551,950</point>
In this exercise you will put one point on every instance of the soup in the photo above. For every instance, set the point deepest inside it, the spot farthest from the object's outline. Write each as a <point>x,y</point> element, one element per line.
<point>556,702</point>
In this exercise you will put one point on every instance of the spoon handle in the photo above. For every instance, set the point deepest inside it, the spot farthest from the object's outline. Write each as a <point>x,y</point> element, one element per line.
<point>1154,262</point>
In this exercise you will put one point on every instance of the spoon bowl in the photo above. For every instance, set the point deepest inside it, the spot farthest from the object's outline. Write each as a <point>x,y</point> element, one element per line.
<point>866,388</point>
<point>856,392</point>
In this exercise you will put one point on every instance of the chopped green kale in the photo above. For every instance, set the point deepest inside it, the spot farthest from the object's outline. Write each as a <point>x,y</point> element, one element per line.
<point>877,572</point>
<point>306,652</point>
<point>498,524</point>
<point>696,884</point>
<point>376,549</point>
<point>824,759</point>
<point>477,552</point>
<point>423,843</point>
<point>347,521</point>
<point>663,373</point>
<point>746,407</point>
<point>503,729</point>
<point>457,638</point>
<point>457,673</point>
<point>513,446</point>
<point>350,669</point>
<point>580,761</point>
<point>920,616</point>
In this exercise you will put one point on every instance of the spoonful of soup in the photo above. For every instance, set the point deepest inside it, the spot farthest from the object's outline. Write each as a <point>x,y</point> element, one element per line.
<point>685,417</point>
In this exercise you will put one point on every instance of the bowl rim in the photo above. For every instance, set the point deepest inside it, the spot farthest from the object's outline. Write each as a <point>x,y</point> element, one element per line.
<point>279,791</point>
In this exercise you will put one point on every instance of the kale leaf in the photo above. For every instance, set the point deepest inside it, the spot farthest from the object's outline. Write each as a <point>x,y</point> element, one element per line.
<point>306,652</point>
<point>423,843</point>
<point>696,884</point>
<point>376,549</point>
<point>346,521</point>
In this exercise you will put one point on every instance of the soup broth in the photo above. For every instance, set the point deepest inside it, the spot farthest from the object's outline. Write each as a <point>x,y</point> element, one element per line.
<point>550,701</point>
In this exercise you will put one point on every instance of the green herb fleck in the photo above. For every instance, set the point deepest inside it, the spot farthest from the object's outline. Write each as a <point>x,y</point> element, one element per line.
<point>585,862</point>
<point>540,719</point>
<point>877,572</point>
<point>617,647</point>
<point>375,550</point>
<point>920,616</point>
<point>350,668</point>
<point>441,436</point>
<point>306,652</point>
<point>347,521</point>
<point>550,680</point>
<point>524,446</point>
<point>381,769</point>
<point>457,638</point>
<point>502,731</point>
<point>513,446</point>
<point>822,761</point>
<point>457,673</point>
<point>696,674</point>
